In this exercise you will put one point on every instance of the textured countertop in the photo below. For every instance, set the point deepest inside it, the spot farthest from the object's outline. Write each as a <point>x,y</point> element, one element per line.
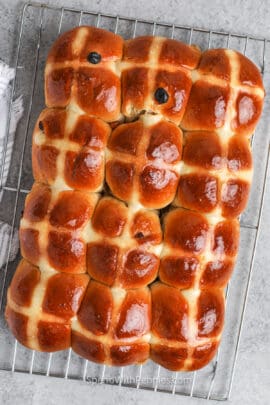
<point>252,377</point>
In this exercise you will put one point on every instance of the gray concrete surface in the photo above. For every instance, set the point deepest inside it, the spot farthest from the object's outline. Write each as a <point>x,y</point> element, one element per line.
<point>252,378</point>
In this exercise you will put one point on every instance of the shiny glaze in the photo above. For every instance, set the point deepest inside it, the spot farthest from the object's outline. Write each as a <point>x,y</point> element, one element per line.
<point>105,43</point>
<point>170,74</point>
<point>53,123</point>
<point>169,313</point>
<point>53,336</point>
<point>198,192</point>
<point>178,85</point>
<point>142,167</point>
<point>169,357</point>
<point>202,355</point>
<point>248,108</point>
<point>90,132</point>
<point>84,167</point>
<point>64,293</point>
<point>23,284</point>
<point>98,93</point>
<point>203,149</point>
<point>186,230</point>
<point>178,271</point>
<point>226,238</point>
<point>157,185</point>
<point>139,268</point>
<point>119,176</point>
<point>248,72</point>
<point>215,62</point>
<point>110,217</point>
<point>126,137</point>
<point>210,315</point>
<point>95,312</point>
<point>216,273</point>
<point>102,261</point>
<point>84,170</point>
<point>62,49</point>
<point>58,87</point>
<point>165,143</point>
<point>206,107</point>
<point>71,210</point>
<point>88,348</point>
<point>65,252</point>
<point>131,320</point>
<point>108,259</point>
<point>178,54</point>
<point>149,175</point>
<point>124,355</point>
<point>145,228</point>
<point>29,244</point>
<point>135,89</point>
<point>134,315</point>
<point>239,154</point>
<point>137,49</point>
<point>37,203</point>
<point>234,197</point>
<point>172,52</point>
<point>44,163</point>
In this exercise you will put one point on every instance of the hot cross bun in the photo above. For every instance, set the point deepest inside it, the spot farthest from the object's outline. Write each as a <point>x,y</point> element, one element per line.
<point>142,165</point>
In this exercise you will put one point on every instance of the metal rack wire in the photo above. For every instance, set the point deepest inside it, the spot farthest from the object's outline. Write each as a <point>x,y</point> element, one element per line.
<point>39,26</point>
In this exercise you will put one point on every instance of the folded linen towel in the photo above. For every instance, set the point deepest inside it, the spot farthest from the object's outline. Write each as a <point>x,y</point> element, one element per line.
<point>7,251</point>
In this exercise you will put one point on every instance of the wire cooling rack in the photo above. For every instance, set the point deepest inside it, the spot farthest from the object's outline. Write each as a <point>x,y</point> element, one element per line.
<point>39,27</point>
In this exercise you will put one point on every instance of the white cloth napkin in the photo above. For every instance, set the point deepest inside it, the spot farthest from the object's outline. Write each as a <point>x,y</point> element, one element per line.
<point>6,76</point>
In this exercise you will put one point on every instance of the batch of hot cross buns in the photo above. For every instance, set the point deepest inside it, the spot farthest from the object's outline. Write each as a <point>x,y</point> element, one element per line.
<point>142,165</point>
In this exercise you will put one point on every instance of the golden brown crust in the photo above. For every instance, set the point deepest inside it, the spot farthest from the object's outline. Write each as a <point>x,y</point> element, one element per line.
<point>88,259</point>
<point>70,76</point>
<point>143,163</point>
